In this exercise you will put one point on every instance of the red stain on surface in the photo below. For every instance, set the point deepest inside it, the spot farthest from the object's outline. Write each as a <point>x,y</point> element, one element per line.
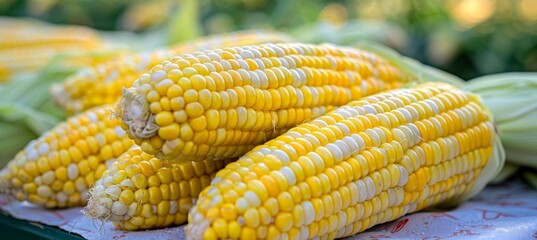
<point>63,223</point>
<point>4,201</point>
<point>57,214</point>
<point>400,225</point>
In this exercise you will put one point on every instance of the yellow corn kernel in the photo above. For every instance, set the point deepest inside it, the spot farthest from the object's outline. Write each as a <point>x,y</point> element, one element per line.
<point>303,82</point>
<point>150,188</point>
<point>62,172</point>
<point>103,83</point>
<point>329,203</point>
<point>29,45</point>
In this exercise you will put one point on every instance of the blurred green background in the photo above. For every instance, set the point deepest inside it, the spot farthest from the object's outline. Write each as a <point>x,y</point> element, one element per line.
<point>468,38</point>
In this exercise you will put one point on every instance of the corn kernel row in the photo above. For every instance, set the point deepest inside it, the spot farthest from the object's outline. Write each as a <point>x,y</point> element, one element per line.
<point>57,169</point>
<point>141,192</point>
<point>102,84</point>
<point>221,103</point>
<point>368,162</point>
<point>27,46</point>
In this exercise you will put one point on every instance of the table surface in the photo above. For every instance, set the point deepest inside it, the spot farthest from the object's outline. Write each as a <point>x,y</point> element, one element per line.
<point>506,211</point>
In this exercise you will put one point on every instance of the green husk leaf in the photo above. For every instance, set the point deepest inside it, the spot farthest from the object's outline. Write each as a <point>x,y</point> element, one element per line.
<point>531,178</point>
<point>422,72</point>
<point>368,30</point>
<point>521,157</point>
<point>507,171</point>
<point>13,138</point>
<point>26,106</point>
<point>33,90</point>
<point>512,99</point>
<point>18,126</point>
<point>184,24</point>
<point>36,121</point>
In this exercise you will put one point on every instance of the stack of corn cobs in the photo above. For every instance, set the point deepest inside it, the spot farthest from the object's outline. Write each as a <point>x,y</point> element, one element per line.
<point>248,135</point>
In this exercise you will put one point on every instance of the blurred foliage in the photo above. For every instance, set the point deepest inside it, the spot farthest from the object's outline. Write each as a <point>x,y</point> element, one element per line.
<point>468,38</point>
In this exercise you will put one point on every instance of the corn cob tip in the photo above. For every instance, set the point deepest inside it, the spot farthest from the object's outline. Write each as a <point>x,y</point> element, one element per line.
<point>221,103</point>
<point>95,209</point>
<point>195,232</point>
<point>103,198</point>
<point>134,111</point>
<point>138,191</point>
<point>101,204</point>
<point>5,186</point>
<point>60,96</point>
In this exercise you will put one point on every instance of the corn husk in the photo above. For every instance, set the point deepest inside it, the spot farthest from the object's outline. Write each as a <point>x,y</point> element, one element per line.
<point>512,99</point>
<point>531,178</point>
<point>508,171</point>
<point>27,109</point>
<point>420,71</point>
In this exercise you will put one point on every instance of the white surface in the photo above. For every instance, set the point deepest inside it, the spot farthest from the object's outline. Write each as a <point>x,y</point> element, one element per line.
<point>507,211</point>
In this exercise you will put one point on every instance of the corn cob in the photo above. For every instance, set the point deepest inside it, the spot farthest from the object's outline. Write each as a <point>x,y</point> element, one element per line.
<point>54,37</point>
<point>28,34</point>
<point>141,192</point>
<point>222,103</point>
<point>27,46</point>
<point>102,84</point>
<point>57,169</point>
<point>366,163</point>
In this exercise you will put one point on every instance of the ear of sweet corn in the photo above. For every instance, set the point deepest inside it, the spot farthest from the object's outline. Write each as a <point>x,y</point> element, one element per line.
<point>27,46</point>
<point>221,103</point>
<point>141,192</point>
<point>57,169</point>
<point>47,35</point>
<point>365,163</point>
<point>103,83</point>
<point>26,106</point>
